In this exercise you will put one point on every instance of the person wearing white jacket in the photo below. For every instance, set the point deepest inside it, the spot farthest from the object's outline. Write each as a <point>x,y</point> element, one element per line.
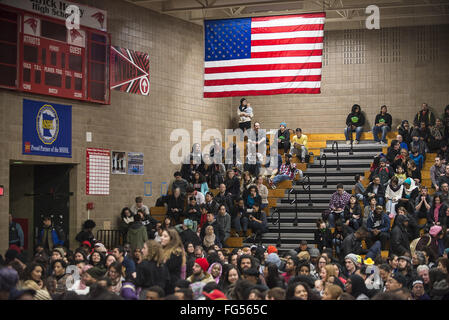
<point>392,195</point>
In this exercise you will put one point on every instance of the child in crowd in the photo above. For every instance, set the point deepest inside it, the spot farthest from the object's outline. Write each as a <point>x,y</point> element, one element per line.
<point>417,157</point>
<point>400,174</point>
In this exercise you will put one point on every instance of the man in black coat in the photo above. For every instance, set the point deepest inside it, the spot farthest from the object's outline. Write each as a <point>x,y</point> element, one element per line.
<point>188,235</point>
<point>218,230</point>
<point>175,205</point>
<point>377,190</point>
<point>225,197</point>
<point>353,244</point>
<point>399,241</point>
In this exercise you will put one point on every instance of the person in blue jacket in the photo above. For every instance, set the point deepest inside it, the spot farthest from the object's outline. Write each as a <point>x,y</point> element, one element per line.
<point>378,224</point>
<point>48,237</point>
<point>16,234</point>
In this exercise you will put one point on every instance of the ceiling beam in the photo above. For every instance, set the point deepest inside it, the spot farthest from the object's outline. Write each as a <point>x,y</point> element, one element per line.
<point>235,5</point>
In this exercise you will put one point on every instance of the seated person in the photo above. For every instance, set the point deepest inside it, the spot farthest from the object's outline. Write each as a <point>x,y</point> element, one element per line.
<point>392,195</point>
<point>403,144</point>
<point>420,144</point>
<point>444,178</point>
<point>354,122</point>
<point>405,131</point>
<point>409,194</point>
<point>443,153</point>
<point>413,171</point>
<point>382,124</point>
<point>424,115</point>
<point>417,157</point>
<point>139,205</point>
<point>199,183</point>
<point>353,244</point>
<point>401,159</point>
<point>193,211</point>
<point>299,147</point>
<point>224,220</point>
<point>287,172</point>
<point>378,224</point>
<point>256,221</point>
<point>337,204</point>
<point>400,174</point>
<point>217,152</point>
<point>424,132</point>
<point>238,217</point>
<point>377,190</point>
<point>218,230</point>
<point>211,204</point>
<point>188,169</point>
<point>444,193</point>
<point>284,138</point>
<point>353,214</point>
<point>175,207</point>
<point>225,197</point>
<point>232,184</point>
<point>384,172</point>
<point>252,198</point>
<point>393,151</point>
<point>190,192</point>
<point>437,213</point>
<point>422,203</point>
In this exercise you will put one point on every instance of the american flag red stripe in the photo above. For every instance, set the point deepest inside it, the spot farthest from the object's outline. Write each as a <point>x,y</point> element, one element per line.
<point>285,57</point>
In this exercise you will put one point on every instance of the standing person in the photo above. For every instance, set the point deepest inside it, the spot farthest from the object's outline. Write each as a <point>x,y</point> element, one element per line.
<point>337,204</point>
<point>126,218</point>
<point>299,147</point>
<point>86,234</point>
<point>48,237</point>
<point>137,234</point>
<point>180,183</point>
<point>263,192</point>
<point>283,137</point>
<point>436,171</point>
<point>354,122</point>
<point>224,220</point>
<point>425,115</point>
<point>382,124</point>
<point>16,236</point>
<point>152,271</point>
<point>173,256</point>
<point>245,113</point>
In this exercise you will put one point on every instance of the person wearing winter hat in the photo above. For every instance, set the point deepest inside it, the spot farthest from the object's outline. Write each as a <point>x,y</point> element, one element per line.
<point>128,291</point>
<point>8,281</point>
<point>272,249</point>
<point>200,277</point>
<point>215,295</point>
<point>95,273</point>
<point>418,292</point>
<point>283,137</point>
<point>273,258</point>
<point>395,281</point>
<point>351,264</point>
<point>245,113</point>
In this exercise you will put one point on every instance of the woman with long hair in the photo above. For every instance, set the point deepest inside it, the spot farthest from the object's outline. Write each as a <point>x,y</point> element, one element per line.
<point>152,271</point>
<point>33,279</point>
<point>297,290</point>
<point>58,279</point>
<point>272,277</point>
<point>199,183</point>
<point>117,276</point>
<point>437,212</point>
<point>229,277</point>
<point>173,255</point>
<point>97,259</point>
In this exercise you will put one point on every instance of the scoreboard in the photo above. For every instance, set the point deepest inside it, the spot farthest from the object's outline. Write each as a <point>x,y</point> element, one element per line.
<point>56,61</point>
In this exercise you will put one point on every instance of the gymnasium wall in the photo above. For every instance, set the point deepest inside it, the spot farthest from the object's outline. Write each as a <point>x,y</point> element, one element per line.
<point>398,67</point>
<point>132,123</point>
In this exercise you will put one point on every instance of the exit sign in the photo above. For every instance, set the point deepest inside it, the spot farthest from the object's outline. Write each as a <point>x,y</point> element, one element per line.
<point>2,191</point>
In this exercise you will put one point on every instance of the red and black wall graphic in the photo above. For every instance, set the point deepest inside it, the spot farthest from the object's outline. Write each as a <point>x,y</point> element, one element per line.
<point>130,71</point>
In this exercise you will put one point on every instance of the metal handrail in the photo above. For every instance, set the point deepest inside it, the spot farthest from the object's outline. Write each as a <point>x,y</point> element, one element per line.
<point>278,222</point>
<point>352,141</point>
<point>295,221</point>
<point>308,188</point>
<point>335,150</point>
<point>323,156</point>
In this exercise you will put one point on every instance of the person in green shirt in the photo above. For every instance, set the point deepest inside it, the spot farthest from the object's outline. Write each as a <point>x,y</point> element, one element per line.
<point>354,122</point>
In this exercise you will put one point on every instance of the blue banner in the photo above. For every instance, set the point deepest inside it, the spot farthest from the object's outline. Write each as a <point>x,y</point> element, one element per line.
<point>47,129</point>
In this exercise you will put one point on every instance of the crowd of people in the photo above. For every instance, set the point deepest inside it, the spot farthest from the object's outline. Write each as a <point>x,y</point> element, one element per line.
<point>185,256</point>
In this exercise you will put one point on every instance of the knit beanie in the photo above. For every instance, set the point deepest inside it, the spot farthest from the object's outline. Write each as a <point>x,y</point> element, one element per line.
<point>203,263</point>
<point>95,273</point>
<point>272,249</point>
<point>273,258</point>
<point>128,291</point>
<point>435,230</point>
<point>352,257</point>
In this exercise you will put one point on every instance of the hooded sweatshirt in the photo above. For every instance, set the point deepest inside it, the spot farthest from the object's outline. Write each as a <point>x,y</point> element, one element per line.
<point>355,119</point>
<point>137,235</point>
<point>399,243</point>
<point>209,271</point>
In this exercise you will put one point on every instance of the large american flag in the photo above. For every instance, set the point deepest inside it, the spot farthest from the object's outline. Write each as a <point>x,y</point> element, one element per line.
<point>263,56</point>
